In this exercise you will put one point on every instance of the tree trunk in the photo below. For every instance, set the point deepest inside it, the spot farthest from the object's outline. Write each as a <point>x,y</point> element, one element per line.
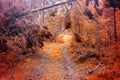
<point>115,30</point>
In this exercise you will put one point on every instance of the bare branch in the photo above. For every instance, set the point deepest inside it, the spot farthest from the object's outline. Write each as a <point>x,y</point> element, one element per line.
<point>40,9</point>
<point>93,70</point>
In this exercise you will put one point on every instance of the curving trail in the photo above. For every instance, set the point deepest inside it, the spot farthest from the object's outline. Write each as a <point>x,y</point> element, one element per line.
<point>56,64</point>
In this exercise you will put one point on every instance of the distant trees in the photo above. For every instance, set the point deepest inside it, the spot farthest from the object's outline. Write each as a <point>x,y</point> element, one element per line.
<point>87,2</point>
<point>107,4</point>
<point>115,4</point>
<point>112,3</point>
<point>94,2</point>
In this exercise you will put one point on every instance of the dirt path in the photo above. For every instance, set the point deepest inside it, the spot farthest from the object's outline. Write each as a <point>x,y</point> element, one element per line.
<point>72,72</point>
<point>56,64</point>
<point>39,68</point>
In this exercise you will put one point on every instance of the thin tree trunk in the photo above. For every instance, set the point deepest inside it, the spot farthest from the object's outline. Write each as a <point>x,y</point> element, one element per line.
<point>115,30</point>
<point>43,12</point>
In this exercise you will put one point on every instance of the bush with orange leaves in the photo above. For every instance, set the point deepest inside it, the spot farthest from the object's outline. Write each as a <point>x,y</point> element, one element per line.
<point>17,36</point>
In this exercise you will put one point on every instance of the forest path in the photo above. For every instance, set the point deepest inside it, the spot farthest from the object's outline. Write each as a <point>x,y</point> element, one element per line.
<point>56,64</point>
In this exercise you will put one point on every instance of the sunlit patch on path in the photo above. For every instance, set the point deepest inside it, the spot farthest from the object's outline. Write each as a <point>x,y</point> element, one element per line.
<point>54,68</point>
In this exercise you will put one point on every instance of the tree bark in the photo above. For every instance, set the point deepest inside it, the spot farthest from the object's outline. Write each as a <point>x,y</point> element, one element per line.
<point>115,29</point>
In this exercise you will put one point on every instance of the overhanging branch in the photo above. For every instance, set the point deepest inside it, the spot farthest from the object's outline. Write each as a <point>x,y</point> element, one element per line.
<point>40,9</point>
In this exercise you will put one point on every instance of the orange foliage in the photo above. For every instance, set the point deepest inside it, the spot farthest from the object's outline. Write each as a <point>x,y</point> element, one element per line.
<point>93,77</point>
